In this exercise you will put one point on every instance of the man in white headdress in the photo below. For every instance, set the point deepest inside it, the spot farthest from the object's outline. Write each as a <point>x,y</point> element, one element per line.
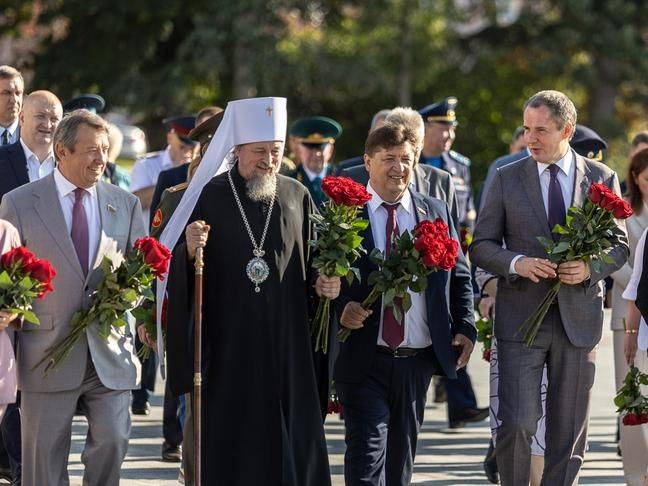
<point>261,413</point>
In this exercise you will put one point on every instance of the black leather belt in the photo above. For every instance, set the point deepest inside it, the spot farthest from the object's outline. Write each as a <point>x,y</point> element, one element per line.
<point>399,352</point>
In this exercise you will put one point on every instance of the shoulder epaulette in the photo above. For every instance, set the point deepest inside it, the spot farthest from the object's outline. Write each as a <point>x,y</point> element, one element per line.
<point>462,159</point>
<point>150,155</point>
<point>178,187</point>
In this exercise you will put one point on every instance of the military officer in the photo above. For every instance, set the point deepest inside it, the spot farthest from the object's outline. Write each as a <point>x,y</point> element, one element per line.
<point>588,143</point>
<point>440,125</point>
<point>314,139</point>
<point>180,150</point>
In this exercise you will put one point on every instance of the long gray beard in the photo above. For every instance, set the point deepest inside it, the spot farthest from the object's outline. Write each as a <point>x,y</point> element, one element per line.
<point>261,188</point>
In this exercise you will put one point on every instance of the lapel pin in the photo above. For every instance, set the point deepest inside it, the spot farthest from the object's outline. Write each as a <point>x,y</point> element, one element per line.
<point>111,208</point>
<point>420,209</point>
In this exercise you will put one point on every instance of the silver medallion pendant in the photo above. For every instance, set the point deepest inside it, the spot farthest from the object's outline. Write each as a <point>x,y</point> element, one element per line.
<point>257,270</point>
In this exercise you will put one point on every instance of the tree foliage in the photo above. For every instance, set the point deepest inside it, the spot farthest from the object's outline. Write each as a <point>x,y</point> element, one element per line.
<point>348,59</point>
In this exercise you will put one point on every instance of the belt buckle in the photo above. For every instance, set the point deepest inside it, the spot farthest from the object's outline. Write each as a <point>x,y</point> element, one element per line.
<point>397,353</point>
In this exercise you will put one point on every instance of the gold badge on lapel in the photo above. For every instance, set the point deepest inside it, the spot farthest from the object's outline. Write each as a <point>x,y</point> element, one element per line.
<point>420,210</point>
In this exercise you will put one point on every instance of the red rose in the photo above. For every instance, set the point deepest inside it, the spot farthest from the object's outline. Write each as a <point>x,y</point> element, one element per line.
<point>597,191</point>
<point>631,419</point>
<point>486,355</point>
<point>643,418</point>
<point>345,191</point>
<point>622,210</point>
<point>18,254</point>
<point>42,271</point>
<point>156,255</point>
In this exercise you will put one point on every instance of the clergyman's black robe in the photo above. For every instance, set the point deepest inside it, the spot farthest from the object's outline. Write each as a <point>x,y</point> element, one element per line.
<point>261,414</point>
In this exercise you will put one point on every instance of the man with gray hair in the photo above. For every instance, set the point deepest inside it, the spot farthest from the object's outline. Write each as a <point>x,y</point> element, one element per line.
<point>12,86</point>
<point>73,219</point>
<point>525,200</point>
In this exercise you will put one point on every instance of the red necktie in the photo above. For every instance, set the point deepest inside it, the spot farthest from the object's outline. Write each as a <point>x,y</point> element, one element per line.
<point>393,331</point>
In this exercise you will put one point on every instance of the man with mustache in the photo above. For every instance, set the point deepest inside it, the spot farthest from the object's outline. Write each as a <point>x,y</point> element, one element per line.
<point>259,288</point>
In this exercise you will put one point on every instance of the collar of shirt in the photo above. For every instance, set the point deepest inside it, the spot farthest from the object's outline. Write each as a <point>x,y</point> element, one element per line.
<point>312,175</point>
<point>565,164</point>
<point>64,187</point>
<point>376,201</point>
<point>29,154</point>
<point>167,162</point>
<point>11,128</point>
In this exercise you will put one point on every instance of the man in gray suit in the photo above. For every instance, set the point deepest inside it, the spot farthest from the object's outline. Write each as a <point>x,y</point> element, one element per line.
<point>73,220</point>
<point>525,199</point>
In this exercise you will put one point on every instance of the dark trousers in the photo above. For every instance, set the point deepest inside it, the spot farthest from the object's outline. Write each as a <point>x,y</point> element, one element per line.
<point>383,416</point>
<point>460,394</point>
<point>570,373</point>
<point>171,425</point>
<point>149,367</point>
<point>10,438</point>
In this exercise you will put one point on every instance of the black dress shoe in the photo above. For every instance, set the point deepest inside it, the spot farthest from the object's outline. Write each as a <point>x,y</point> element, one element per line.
<point>490,465</point>
<point>141,408</point>
<point>469,415</point>
<point>5,473</point>
<point>171,453</point>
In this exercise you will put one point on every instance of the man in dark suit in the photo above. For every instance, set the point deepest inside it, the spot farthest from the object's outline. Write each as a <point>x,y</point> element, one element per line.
<point>12,86</point>
<point>384,369</point>
<point>32,156</point>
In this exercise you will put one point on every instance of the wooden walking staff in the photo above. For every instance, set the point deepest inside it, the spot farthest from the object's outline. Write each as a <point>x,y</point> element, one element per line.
<point>197,380</point>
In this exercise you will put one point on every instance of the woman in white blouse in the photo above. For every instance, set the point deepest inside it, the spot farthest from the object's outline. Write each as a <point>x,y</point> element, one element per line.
<point>634,439</point>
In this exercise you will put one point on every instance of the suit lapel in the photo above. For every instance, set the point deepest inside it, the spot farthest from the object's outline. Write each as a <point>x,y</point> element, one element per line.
<point>19,164</point>
<point>420,181</point>
<point>48,207</point>
<point>531,183</point>
<point>107,221</point>
<point>581,181</point>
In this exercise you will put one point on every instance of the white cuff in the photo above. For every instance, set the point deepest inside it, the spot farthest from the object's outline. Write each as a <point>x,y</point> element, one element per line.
<point>512,266</point>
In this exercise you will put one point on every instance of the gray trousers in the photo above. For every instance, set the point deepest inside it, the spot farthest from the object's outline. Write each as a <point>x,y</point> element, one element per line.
<point>570,372</point>
<point>47,433</point>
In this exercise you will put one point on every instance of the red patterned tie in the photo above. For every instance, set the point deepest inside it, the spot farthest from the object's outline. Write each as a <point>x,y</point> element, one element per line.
<point>393,331</point>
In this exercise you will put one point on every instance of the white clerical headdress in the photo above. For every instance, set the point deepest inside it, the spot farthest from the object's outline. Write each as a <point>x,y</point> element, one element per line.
<point>244,121</point>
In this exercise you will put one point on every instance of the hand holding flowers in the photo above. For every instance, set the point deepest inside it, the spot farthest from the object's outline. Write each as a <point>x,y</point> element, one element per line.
<point>122,288</point>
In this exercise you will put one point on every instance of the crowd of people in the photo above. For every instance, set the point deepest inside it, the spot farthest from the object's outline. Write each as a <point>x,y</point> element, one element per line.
<point>225,184</point>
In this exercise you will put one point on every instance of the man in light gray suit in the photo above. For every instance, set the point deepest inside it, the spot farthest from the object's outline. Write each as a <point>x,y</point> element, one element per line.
<point>525,200</point>
<point>73,220</point>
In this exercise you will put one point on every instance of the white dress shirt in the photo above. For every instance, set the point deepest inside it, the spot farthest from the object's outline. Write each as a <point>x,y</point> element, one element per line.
<point>630,292</point>
<point>66,196</point>
<point>565,176</point>
<point>13,132</point>
<point>35,168</point>
<point>147,169</point>
<point>312,175</point>
<point>417,333</point>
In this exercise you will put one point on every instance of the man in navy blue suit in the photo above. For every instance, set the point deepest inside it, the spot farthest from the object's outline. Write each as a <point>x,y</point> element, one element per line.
<point>384,369</point>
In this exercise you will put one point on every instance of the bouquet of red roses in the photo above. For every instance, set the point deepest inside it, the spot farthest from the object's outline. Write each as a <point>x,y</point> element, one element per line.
<point>23,278</point>
<point>629,400</point>
<point>125,282</point>
<point>338,242</point>
<point>583,237</point>
<point>411,259</point>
